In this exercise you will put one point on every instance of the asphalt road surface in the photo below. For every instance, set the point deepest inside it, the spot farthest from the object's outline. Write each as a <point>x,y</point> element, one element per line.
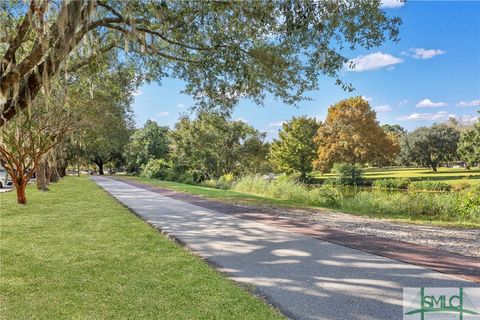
<point>306,278</point>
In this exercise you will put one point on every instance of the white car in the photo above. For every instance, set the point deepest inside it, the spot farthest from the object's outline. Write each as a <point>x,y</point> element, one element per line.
<point>4,178</point>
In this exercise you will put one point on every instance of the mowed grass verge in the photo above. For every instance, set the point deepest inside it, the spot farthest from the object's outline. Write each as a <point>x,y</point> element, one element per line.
<point>75,252</point>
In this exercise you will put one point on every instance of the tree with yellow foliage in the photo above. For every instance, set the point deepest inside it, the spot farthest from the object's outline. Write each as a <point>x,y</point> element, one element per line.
<point>352,134</point>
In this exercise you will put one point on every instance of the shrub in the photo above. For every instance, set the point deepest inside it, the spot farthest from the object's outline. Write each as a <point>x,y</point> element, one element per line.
<point>172,176</point>
<point>225,181</point>
<point>157,168</point>
<point>413,204</point>
<point>324,197</point>
<point>430,186</point>
<point>252,184</point>
<point>198,176</point>
<point>186,178</point>
<point>210,183</point>
<point>349,174</point>
<point>398,183</point>
<point>287,188</point>
<point>330,181</point>
<point>469,203</point>
<point>446,206</point>
<point>461,185</point>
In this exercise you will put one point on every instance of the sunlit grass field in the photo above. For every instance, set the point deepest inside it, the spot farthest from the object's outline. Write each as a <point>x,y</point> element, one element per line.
<point>76,253</point>
<point>448,175</point>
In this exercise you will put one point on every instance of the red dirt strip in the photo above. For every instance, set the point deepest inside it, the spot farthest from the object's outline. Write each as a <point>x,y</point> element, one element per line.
<point>442,261</point>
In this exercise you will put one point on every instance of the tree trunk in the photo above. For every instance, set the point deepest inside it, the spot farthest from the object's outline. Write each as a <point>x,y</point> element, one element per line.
<point>303,176</point>
<point>42,176</point>
<point>48,172</point>
<point>54,176</point>
<point>63,171</point>
<point>100,167</point>
<point>21,186</point>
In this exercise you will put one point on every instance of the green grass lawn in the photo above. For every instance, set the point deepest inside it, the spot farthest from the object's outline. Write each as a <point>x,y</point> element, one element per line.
<point>75,252</point>
<point>448,175</point>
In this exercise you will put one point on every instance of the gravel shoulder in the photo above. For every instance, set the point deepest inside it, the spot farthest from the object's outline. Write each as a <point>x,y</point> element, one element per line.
<point>462,241</point>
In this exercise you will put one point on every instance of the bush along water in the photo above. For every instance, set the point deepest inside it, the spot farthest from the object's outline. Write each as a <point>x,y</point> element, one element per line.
<point>444,206</point>
<point>289,189</point>
<point>430,186</point>
<point>348,174</point>
<point>462,206</point>
<point>390,184</point>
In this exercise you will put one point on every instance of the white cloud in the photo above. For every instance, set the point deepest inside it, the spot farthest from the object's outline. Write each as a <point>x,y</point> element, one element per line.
<point>427,103</point>
<point>137,92</point>
<point>473,103</point>
<point>367,98</point>
<point>373,61</point>
<point>420,53</point>
<point>440,116</point>
<point>162,114</point>
<point>180,105</point>
<point>277,124</point>
<point>383,108</point>
<point>403,102</point>
<point>437,116</point>
<point>392,3</point>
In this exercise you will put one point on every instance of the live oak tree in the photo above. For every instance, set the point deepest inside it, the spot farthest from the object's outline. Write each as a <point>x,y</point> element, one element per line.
<point>429,146</point>
<point>396,128</point>
<point>214,145</point>
<point>49,167</point>
<point>145,144</point>
<point>469,145</point>
<point>295,150</point>
<point>104,97</point>
<point>223,50</point>
<point>351,134</point>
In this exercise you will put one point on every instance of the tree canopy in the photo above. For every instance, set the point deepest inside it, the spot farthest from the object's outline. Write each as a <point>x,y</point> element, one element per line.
<point>31,135</point>
<point>351,134</point>
<point>102,95</point>
<point>432,145</point>
<point>469,145</point>
<point>223,50</point>
<point>145,144</point>
<point>215,145</point>
<point>295,150</point>
<point>396,128</point>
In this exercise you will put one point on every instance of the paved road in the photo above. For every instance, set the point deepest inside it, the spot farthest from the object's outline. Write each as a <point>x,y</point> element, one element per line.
<point>305,277</point>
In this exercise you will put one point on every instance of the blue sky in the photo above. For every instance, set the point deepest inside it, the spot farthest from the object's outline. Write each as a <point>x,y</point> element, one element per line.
<point>433,73</point>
